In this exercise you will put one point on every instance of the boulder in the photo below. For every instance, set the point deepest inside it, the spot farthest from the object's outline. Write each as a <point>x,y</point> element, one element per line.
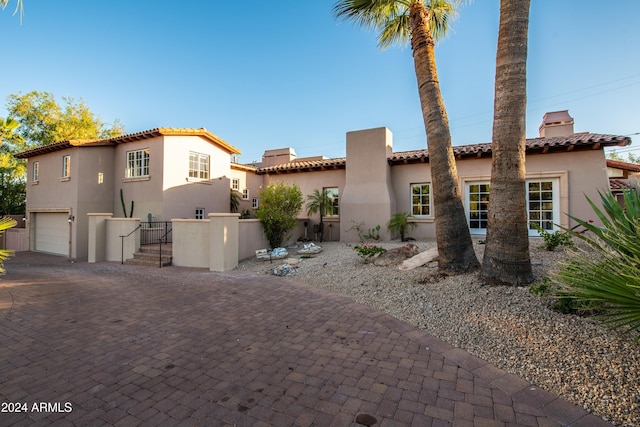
<point>396,255</point>
<point>420,259</point>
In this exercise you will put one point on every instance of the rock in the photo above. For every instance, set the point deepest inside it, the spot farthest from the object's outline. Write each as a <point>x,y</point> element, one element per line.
<point>421,259</point>
<point>396,255</point>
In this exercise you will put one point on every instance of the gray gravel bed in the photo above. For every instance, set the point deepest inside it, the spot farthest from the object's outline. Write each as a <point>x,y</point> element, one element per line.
<point>572,356</point>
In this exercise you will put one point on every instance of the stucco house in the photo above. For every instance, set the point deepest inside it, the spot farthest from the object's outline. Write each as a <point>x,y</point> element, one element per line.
<point>167,173</point>
<point>187,173</point>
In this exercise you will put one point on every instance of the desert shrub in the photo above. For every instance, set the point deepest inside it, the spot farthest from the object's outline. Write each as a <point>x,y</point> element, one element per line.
<point>606,274</point>
<point>554,239</point>
<point>367,252</point>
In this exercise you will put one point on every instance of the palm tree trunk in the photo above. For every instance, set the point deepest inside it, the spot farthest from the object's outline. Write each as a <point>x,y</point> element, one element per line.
<point>455,247</point>
<point>506,257</point>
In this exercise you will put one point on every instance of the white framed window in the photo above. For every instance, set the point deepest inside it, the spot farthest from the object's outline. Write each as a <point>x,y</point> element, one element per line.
<point>199,213</point>
<point>137,163</point>
<point>332,208</point>
<point>235,184</point>
<point>478,206</point>
<point>255,203</point>
<point>542,198</point>
<point>245,194</point>
<point>66,166</point>
<point>35,171</point>
<point>543,205</point>
<point>420,199</point>
<point>198,166</point>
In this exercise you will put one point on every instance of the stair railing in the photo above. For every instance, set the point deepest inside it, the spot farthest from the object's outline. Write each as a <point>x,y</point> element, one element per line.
<point>122,243</point>
<point>164,238</point>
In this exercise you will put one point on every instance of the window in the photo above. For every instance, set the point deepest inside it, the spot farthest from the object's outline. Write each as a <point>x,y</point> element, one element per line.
<point>254,203</point>
<point>478,206</point>
<point>137,163</point>
<point>66,166</point>
<point>36,171</point>
<point>420,199</point>
<point>199,213</point>
<point>245,194</point>
<point>331,194</point>
<point>542,205</point>
<point>235,184</point>
<point>198,166</point>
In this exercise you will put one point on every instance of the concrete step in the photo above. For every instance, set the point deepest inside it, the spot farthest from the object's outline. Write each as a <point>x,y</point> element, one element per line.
<point>150,259</point>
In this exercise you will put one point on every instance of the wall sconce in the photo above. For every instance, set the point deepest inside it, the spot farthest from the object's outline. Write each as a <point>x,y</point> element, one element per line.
<point>71,219</point>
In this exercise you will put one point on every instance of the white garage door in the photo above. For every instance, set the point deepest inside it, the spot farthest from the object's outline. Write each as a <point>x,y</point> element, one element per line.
<point>52,233</point>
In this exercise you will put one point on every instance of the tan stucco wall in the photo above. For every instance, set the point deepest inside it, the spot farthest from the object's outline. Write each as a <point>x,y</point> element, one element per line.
<point>191,242</point>
<point>367,196</point>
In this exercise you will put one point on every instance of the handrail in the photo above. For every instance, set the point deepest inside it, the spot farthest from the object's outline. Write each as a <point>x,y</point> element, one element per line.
<point>163,237</point>
<point>122,243</point>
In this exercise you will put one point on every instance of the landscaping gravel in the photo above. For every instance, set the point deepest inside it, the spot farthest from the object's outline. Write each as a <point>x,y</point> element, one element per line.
<point>572,356</point>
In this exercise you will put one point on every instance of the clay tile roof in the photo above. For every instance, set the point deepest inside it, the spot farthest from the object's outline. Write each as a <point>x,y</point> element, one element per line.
<point>304,166</point>
<point>129,138</point>
<point>577,141</point>
<point>618,184</point>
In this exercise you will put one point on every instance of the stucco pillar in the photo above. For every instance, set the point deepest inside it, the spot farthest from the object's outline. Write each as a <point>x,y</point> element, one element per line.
<point>122,248</point>
<point>223,238</point>
<point>97,246</point>
<point>367,197</point>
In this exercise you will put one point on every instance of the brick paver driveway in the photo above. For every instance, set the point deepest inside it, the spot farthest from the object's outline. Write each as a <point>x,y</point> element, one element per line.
<point>106,344</point>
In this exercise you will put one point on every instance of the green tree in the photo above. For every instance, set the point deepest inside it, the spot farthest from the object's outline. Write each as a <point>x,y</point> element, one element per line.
<point>422,22</point>
<point>280,205</point>
<point>506,256</point>
<point>631,158</point>
<point>234,200</point>
<point>5,223</point>
<point>44,121</point>
<point>12,170</point>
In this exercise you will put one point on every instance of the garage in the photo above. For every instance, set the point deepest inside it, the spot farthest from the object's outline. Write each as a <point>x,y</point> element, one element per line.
<point>51,231</point>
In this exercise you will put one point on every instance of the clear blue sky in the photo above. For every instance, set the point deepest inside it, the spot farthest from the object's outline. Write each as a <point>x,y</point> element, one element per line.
<point>271,74</point>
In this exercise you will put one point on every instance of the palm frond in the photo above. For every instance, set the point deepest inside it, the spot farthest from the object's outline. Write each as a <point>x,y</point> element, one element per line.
<point>5,223</point>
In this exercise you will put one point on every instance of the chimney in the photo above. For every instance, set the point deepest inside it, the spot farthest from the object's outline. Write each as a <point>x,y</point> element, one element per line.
<point>556,123</point>
<point>278,156</point>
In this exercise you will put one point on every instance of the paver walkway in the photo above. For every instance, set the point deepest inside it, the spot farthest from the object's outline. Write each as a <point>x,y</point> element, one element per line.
<point>109,344</point>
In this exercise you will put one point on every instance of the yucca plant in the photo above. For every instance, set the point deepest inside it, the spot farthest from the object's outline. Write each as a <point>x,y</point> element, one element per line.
<point>607,273</point>
<point>5,223</point>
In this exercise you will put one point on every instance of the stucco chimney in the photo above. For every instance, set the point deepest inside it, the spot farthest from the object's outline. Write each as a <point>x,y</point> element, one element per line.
<point>367,198</point>
<point>556,123</point>
<point>278,156</point>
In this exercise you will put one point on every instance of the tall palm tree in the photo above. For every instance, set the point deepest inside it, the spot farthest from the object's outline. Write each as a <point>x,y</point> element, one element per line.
<point>422,22</point>
<point>506,257</point>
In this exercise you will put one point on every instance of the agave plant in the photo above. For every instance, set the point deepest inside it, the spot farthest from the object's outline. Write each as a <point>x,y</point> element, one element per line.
<point>607,274</point>
<point>5,223</point>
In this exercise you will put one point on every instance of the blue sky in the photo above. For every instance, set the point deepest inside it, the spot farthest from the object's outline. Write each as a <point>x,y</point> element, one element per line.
<point>285,73</point>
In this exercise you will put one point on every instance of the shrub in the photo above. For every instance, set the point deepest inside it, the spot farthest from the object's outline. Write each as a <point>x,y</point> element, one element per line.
<point>367,252</point>
<point>280,205</point>
<point>554,239</point>
<point>607,274</point>
<point>5,223</point>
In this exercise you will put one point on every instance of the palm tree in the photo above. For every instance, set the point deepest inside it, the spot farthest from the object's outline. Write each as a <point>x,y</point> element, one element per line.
<point>506,257</point>
<point>318,202</point>
<point>399,223</point>
<point>423,22</point>
<point>19,7</point>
